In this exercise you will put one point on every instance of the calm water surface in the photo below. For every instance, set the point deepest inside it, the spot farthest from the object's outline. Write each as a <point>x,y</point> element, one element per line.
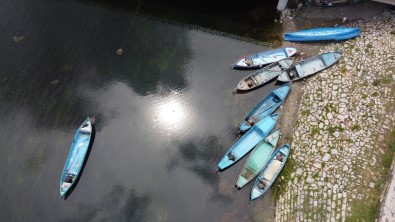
<point>165,115</point>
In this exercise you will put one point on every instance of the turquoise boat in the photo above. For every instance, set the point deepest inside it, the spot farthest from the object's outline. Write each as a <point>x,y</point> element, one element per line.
<point>310,66</point>
<point>75,159</point>
<point>265,107</point>
<point>323,34</point>
<point>247,142</point>
<point>264,75</point>
<point>270,172</point>
<point>258,158</point>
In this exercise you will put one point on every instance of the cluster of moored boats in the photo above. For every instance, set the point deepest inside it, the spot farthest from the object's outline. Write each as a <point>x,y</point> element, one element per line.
<point>265,161</point>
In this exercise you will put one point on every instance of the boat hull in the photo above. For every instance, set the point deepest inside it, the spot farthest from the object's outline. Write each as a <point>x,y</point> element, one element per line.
<point>258,60</point>
<point>76,157</point>
<point>264,75</point>
<point>323,34</point>
<point>265,107</point>
<point>309,66</point>
<point>258,158</point>
<point>270,172</point>
<point>247,142</point>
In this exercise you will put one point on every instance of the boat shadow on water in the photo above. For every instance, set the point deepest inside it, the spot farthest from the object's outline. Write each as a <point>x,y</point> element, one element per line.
<point>84,163</point>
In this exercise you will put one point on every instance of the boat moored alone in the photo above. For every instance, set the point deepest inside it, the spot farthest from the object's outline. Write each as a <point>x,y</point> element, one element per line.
<point>258,158</point>
<point>264,75</point>
<point>258,60</point>
<point>248,141</point>
<point>323,34</point>
<point>75,159</point>
<point>309,66</point>
<point>265,107</point>
<point>270,172</point>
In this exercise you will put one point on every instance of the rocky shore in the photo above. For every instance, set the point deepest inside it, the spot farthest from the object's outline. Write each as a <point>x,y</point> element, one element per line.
<point>338,121</point>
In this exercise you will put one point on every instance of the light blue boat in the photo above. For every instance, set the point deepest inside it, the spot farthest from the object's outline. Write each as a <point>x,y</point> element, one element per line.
<point>322,34</point>
<point>75,159</point>
<point>248,141</point>
<point>265,107</point>
<point>310,66</point>
<point>258,60</point>
<point>270,172</point>
<point>258,158</point>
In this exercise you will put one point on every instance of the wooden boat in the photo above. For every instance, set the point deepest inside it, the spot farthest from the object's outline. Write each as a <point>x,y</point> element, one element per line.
<point>261,59</point>
<point>264,75</point>
<point>265,107</point>
<point>258,158</point>
<point>270,172</point>
<point>247,142</point>
<point>309,66</point>
<point>76,157</point>
<point>323,34</point>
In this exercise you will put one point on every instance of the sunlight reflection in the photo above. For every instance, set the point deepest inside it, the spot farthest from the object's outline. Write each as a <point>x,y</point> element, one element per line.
<point>171,113</point>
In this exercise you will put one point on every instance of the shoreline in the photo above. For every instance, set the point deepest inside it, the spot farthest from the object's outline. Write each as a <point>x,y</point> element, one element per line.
<point>332,119</point>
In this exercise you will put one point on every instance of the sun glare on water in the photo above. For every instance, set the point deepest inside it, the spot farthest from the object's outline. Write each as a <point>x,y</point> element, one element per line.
<point>171,114</point>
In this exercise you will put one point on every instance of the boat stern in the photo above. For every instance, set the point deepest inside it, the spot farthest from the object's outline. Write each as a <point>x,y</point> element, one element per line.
<point>290,51</point>
<point>244,127</point>
<point>255,193</point>
<point>282,91</point>
<point>241,182</point>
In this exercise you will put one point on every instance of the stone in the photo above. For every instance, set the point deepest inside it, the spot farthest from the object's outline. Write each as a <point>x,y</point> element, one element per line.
<point>326,157</point>
<point>299,171</point>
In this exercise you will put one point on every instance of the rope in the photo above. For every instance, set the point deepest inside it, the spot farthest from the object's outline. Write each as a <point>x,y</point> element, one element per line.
<point>120,50</point>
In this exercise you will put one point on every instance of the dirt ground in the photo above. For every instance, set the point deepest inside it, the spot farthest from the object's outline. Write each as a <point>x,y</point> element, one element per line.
<point>309,16</point>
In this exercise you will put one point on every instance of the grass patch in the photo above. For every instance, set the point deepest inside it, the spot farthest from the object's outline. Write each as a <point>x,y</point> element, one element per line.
<point>375,94</point>
<point>366,209</point>
<point>315,131</point>
<point>331,129</point>
<point>280,185</point>
<point>343,70</point>
<point>387,79</point>
<point>362,212</point>
<point>305,112</point>
<point>369,46</point>
<point>364,96</point>
<point>356,127</point>
<point>376,82</point>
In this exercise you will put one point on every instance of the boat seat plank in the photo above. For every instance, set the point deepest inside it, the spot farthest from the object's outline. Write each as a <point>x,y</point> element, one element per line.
<point>272,169</point>
<point>299,70</point>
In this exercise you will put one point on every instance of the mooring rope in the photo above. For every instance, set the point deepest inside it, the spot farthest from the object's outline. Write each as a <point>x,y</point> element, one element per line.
<point>120,50</point>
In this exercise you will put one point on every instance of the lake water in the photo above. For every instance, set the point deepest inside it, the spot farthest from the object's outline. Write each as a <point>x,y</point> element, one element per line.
<point>165,115</point>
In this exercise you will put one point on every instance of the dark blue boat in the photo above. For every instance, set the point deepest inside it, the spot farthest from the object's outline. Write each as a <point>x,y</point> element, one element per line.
<point>323,34</point>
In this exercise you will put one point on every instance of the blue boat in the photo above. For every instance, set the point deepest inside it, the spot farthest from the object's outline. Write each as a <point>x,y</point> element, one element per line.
<point>248,141</point>
<point>265,107</point>
<point>76,157</point>
<point>270,172</point>
<point>323,34</point>
<point>309,66</point>
<point>258,60</point>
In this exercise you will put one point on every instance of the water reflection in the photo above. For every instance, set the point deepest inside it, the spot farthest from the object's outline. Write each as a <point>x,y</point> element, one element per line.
<point>120,204</point>
<point>58,84</point>
<point>200,156</point>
